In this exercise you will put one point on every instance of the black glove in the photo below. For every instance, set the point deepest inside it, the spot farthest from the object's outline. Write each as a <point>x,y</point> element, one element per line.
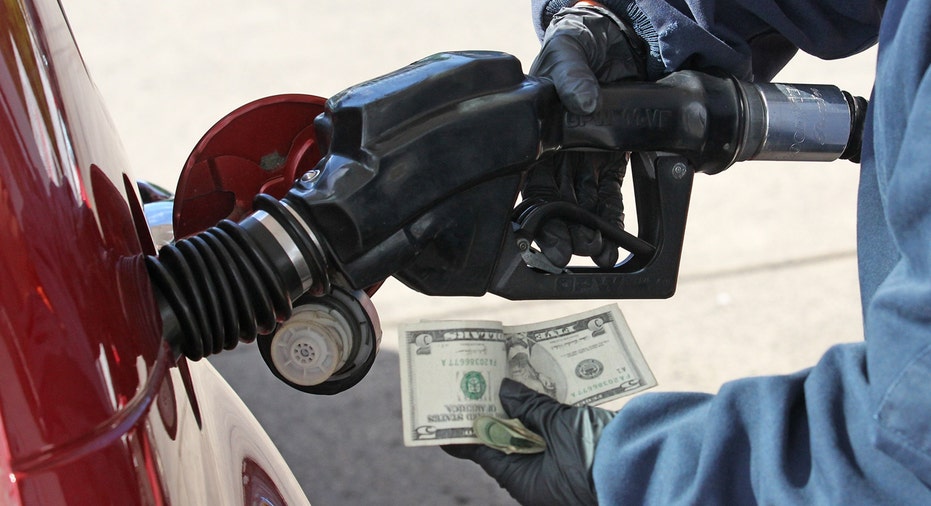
<point>582,47</point>
<point>560,475</point>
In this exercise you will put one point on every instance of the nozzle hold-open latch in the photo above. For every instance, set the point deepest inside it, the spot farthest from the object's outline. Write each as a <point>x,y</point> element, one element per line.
<point>530,217</point>
<point>650,270</point>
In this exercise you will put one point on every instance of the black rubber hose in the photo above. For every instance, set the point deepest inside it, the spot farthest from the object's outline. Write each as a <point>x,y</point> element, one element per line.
<point>221,288</point>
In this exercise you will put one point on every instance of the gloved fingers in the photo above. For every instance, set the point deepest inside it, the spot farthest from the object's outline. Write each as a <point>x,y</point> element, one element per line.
<point>585,45</point>
<point>564,61</point>
<point>559,475</point>
<point>547,182</point>
<point>555,241</point>
<point>540,182</point>
<point>515,473</point>
<point>473,452</point>
<point>597,178</point>
<point>608,256</point>
<point>619,70</point>
<point>585,241</point>
<point>611,170</point>
<point>619,53</point>
<point>590,179</point>
<point>582,166</point>
<point>495,462</point>
<point>547,416</point>
<point>611,167</point>
<point>570,173</point>
<point>534,409</point>
<point>620,61</point>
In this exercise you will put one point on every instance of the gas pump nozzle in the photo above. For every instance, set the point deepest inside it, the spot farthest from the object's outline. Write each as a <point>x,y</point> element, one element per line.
<point>423,168</point>
<point>418,179</point>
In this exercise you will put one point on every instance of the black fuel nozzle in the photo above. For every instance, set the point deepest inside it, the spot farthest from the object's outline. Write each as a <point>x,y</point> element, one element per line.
<point>420,174</point>
<point>424,167</point>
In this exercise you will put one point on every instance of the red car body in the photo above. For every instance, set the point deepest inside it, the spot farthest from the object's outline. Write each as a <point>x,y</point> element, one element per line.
<point>94,408</point>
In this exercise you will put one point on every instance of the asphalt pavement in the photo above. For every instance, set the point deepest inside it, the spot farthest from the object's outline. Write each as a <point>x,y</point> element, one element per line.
<point>768,277</point>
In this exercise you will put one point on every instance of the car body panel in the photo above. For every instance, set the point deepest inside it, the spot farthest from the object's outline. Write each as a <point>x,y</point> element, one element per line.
<point>94,406</point>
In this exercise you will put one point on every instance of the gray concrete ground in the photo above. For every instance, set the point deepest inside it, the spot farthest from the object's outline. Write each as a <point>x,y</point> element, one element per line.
<point>768,276</point>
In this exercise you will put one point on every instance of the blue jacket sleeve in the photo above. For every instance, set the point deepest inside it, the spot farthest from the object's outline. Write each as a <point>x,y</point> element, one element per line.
<point>751,39</point>
<point>894,238</point>
<point>855,428</point>
<point>799,439</point>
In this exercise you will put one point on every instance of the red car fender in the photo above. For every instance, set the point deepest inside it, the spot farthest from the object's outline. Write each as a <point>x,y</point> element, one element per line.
<point>93,407</point>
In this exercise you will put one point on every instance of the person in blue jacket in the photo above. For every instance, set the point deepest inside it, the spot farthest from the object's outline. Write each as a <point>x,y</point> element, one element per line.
<point>856,427</point>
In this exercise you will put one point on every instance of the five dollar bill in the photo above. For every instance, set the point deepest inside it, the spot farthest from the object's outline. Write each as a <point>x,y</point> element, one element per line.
<point>451,370</point>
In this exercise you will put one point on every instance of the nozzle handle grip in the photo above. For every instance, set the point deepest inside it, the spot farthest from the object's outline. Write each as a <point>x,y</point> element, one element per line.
<point>715,121</point>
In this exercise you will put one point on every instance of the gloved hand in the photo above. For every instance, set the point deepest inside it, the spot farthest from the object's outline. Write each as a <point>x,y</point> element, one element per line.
<point>562,474</point>
<point>583,46</point>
